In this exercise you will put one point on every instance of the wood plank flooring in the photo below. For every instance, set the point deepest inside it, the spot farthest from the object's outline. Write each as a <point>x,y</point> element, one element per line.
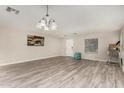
<point>61,72</point>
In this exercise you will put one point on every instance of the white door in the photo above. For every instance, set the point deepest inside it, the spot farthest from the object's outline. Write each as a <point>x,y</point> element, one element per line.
<point>69,47</point>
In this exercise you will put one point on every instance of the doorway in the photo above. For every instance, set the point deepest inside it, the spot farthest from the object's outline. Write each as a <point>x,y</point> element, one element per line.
<point>69,47</point>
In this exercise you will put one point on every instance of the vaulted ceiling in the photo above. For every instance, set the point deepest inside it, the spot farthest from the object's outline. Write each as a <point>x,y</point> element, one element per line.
<point>69,18</point>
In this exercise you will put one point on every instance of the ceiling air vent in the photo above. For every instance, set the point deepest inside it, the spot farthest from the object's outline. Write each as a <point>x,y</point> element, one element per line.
<point>9,9</point>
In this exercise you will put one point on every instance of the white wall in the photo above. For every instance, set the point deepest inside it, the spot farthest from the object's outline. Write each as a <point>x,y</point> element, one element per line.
<point>122,53</point>
<point>63,47</point>
<point>104,39</point>
<point>14,49</point>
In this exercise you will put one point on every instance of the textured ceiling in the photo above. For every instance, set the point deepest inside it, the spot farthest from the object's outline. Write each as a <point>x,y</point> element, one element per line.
<point>70,19</point>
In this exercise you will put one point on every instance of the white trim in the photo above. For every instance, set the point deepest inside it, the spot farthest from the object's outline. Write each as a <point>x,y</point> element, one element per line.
<point>9,63</point>
<point>91,59</point>
<point>95,60</point>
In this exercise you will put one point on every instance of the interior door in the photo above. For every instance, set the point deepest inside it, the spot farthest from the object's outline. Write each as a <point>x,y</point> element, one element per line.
<point>69,47</point>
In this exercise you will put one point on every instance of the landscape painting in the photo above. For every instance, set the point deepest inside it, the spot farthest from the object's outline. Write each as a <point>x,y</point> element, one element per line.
<point>33,40</point>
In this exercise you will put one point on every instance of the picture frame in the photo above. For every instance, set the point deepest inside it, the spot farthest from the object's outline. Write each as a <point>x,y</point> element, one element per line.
<point>33,40</point>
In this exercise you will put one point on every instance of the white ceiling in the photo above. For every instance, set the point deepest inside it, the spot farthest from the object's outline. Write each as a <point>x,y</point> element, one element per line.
<point>70,19</point>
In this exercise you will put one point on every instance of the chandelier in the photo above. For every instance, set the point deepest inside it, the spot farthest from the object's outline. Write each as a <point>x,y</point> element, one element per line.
<point>47,23</point>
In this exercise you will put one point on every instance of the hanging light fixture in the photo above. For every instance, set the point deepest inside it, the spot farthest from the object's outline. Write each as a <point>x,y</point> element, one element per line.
<point>47,23</point>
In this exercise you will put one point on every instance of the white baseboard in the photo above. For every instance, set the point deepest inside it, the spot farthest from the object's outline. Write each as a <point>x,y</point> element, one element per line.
<point>23,61</point>
<point>97,60</point>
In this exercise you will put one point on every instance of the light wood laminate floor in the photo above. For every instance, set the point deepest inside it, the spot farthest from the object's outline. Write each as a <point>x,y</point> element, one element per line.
<point>61,72</point>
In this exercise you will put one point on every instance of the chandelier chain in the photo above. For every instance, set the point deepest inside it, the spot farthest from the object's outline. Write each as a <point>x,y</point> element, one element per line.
<point>47,11</point>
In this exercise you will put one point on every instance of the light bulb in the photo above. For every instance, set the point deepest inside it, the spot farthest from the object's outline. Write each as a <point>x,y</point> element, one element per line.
<point>46,28</point>
<point>42,22</point>
<point>53,26</point>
